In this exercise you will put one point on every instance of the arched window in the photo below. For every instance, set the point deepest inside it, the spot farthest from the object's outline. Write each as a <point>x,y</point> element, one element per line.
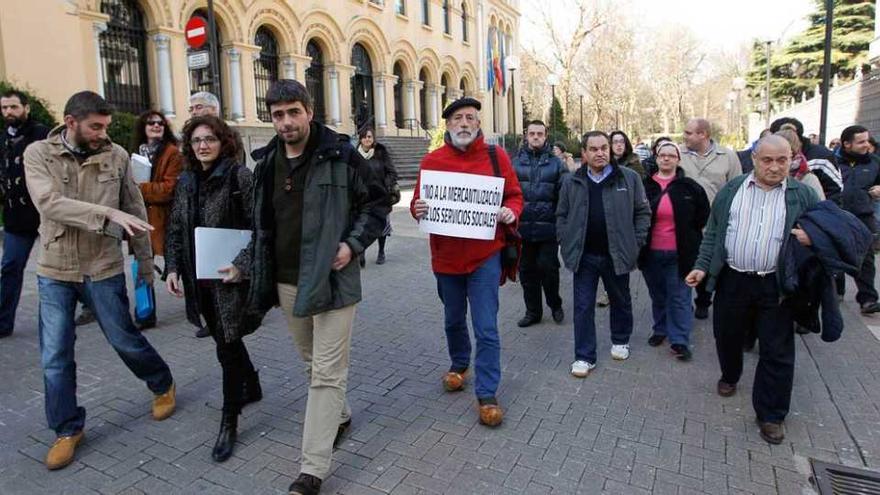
<point>464,22</point>
<point>400,7</point>
<point>315,79</point>
<point>201,79</point>
<point>398,96</point>
<point>444,81</point>
<point>446,20</point>
<point>361,87</point>
<point>123,56</point>
<point>265,69</point>
<point>426,12</point>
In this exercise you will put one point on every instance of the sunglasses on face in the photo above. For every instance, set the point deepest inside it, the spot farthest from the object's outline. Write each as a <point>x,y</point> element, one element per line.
<point>156,122</point>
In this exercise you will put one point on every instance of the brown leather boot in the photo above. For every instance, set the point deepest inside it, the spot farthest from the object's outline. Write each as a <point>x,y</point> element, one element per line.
<point>62,452</point>
<point>453,381</point>
<point>726,389</point>
<point>490,412</point>
<point>163,404</point>
<point>771,432</point>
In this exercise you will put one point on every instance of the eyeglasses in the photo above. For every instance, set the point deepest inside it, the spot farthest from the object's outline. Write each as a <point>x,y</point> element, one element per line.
<point>209,140</point>
<point>156,122</point>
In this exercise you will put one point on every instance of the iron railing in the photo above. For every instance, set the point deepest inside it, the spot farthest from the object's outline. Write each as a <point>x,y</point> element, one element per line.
<point>123,56</point>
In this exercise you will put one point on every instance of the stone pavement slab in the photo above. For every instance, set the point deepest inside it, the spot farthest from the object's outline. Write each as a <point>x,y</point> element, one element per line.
<point>646,425</point>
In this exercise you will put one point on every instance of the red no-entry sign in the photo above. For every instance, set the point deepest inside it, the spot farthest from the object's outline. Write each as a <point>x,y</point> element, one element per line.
<point>196,32</point>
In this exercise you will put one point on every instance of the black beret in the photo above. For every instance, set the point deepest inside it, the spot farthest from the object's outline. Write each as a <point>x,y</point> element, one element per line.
<point>465,101</point>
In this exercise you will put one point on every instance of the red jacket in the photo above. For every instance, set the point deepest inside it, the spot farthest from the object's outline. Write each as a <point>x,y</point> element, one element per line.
<point>455,255</point>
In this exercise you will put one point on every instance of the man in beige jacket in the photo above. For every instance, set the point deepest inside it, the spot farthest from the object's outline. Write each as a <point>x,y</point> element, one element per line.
<point>81,184</point>
<point>712,166</point>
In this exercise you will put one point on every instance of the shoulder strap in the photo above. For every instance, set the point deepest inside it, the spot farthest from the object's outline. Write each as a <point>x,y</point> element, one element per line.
<point>493,157</point>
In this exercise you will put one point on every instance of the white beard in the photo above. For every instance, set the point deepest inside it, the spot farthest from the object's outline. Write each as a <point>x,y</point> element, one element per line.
<point>462,142</point>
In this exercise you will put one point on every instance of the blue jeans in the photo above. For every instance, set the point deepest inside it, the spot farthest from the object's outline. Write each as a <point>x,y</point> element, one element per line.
<point>670,297</point>
<point>480,289</point>
<point>108,299</point>
<point>16,251</point>
<point>586,281</point>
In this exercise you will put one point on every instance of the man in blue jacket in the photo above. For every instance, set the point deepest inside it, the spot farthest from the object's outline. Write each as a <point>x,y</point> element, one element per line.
<point>540,175</point>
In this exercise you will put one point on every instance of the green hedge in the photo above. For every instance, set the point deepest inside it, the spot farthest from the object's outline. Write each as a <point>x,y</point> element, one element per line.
<point>121,130</point>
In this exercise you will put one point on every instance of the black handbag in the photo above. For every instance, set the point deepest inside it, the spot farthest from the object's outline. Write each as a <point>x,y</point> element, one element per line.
<point>510,254</point>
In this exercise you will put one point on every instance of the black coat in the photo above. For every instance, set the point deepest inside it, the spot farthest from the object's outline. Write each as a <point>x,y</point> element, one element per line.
<point>19,214</point>
<point>859,174</point>
<point>745,159</point>
<point>690,208</point>
<point>222,200</point>
<point>540,177</point>
<point>382,168</point>
<point>823,163</point>
<point>839,243</point>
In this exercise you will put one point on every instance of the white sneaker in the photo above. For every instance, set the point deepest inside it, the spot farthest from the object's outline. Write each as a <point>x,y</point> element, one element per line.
<point>620,352</point>
<point>581,369</point>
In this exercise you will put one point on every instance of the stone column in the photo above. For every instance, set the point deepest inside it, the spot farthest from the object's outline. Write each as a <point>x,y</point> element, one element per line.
<point>335,117</point>
<point>234,55</point>
<point>288,65</point>
<point>409,116</point>
<point>163,65</point>
<point>379,101</point>
<point>97,29</point>
<point>433,102</point>
<point>481,46</point>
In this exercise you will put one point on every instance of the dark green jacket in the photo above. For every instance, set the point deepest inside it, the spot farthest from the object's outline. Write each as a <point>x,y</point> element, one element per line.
<point>342,202</point>
<point>713,254</point>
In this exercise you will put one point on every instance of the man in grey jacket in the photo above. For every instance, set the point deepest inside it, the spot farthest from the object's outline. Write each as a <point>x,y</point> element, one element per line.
<point>602,221</point>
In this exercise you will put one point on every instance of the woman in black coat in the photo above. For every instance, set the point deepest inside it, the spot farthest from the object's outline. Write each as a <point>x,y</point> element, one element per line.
<point>380,166</point>
<point>215,191</point>
<point>679,211</point>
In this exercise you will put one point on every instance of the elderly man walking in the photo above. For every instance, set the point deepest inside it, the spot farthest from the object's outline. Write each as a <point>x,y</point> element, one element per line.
<point>712,166</point>
<point>469,271</point>
<point>602,222</point>
<point>740,258</point>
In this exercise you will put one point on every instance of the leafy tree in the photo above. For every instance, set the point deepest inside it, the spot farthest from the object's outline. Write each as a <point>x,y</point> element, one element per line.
<point>39,107</point>
<point>121,130</point>
<point>797,67</point>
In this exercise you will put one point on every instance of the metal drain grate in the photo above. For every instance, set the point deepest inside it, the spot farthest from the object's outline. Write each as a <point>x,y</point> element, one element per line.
<point>836,479</point>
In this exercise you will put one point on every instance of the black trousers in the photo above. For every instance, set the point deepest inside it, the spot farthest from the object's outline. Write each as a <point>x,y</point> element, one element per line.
<point>704,297</point>
<point>539,268</point>
<point>233,357</point>
<point>866,292</point>
<point>744,302</point>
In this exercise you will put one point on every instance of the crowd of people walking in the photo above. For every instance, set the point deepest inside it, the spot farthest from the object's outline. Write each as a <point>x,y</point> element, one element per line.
<point>751,233</point>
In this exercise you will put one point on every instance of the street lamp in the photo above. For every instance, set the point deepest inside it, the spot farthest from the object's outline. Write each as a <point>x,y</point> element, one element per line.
<point>731,102</point>
<point>552,80</point>
<point>512,62</point>
<point>739,84</point>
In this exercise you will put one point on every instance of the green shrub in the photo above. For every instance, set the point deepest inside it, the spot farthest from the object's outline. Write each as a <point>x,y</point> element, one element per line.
<point>39,107</point>
<point>121,129</point>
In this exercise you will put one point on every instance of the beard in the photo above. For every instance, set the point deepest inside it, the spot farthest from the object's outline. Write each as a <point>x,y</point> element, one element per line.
<point>13,121</point>
<point>462,139</point>
<point>88,145</point>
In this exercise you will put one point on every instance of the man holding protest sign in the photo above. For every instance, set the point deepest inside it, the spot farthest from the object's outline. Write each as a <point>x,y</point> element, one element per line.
<point>466,196</point>
<point>602,222</point>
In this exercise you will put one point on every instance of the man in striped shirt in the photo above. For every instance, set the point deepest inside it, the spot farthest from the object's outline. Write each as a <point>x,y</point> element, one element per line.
<point>751,217</point>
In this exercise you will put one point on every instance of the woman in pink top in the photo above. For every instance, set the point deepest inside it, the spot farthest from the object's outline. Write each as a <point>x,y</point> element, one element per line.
<point>680,210</point>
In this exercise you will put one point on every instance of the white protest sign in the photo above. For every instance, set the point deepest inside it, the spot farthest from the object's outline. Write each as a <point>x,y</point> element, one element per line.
<point>460,205</point>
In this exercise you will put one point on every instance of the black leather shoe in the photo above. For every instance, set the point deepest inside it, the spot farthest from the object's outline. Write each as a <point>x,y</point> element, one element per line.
<point>252,391</point>
<point>681,352</point>
<point>870,308</point>
<point>5,333</point>
<point>528,320</point>
<point>203,332</point>
<point>558,315</point>
<point>305,484</point>
<point>771,432</point>
<point>86,316</point>
<point>726,389</point>
<point>655,340</point>
<point>380,259</point>
<point>145,325</point>
<point>701,312</point>
<point>340,432</point>
<point>226,438</point>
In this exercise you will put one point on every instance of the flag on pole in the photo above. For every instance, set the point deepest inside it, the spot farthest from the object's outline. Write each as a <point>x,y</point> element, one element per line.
<point>496,64</point>
<point>490,71</point>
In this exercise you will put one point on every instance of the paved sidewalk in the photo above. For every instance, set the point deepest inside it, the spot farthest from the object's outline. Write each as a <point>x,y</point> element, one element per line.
<point>646,425</point>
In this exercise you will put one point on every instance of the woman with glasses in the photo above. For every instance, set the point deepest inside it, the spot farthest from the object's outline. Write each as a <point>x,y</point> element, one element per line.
<point>680,209</point>
<point>154,139</point>
<point>215,190</point>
